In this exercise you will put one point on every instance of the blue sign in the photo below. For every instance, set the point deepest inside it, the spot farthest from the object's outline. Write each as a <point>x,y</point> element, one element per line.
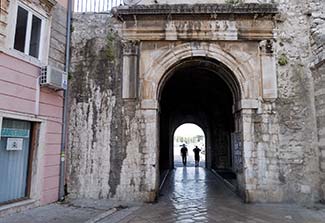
<point>18,133</point>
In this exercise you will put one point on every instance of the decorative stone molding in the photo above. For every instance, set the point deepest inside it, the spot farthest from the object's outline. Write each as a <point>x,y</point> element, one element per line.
<point>149,104</point>
<point>211,22</point>
<point>220,29</point>
<point>247,104</point>
<point>154,73</point>
<point>184,9</point>
<point>266,47</point>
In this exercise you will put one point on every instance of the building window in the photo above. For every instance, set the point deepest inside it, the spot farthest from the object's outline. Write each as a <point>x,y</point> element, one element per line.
<point>21,27</point>
<point>15,153</point>
<point>35,37</point>
<point>28,32</point>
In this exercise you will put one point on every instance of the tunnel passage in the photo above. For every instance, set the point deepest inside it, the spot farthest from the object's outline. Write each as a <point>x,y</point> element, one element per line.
<point>202,92</point>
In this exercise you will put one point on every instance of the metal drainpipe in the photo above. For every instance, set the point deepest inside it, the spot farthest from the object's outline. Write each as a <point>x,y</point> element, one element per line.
<point>65,106</point>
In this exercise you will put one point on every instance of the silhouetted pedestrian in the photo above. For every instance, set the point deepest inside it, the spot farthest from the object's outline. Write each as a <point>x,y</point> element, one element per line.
<point>196,151</point>
<point>184,154</point>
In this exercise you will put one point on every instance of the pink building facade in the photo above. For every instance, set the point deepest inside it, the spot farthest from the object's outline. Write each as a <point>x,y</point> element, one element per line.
<point>32,35</point>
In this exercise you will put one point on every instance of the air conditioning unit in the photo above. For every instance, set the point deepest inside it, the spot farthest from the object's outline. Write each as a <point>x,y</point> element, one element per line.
<point>53,78</point>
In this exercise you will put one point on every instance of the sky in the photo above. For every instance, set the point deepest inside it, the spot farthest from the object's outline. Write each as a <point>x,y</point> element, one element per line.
<point>188,130</point>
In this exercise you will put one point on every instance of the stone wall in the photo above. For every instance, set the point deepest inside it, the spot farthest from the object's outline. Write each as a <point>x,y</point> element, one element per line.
<point>109,156</point>
<point>296,151</point>
<point>286,153</point>
<point>286,141</point>
<point>317,30</point>
<point>94,82</point>
<point>319,78</point>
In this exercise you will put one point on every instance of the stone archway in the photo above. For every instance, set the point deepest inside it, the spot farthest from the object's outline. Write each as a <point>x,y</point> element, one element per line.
<point>240,63</point>
<point>243,84</point>
<point>153,49</point>
<point>151,41</point>
<point>220,134</point>
<point>237,41</point>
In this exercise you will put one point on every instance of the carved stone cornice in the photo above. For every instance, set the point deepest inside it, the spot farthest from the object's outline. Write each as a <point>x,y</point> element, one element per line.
<point>266,47</point>
<point>197,9</point>
<point>197,22</point>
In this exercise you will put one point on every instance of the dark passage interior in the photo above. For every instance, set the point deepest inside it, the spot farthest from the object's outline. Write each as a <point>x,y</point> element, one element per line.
<point>202,92</point>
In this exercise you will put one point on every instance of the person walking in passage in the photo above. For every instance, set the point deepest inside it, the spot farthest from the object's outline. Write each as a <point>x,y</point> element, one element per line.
<point>196,151</point>
<point>184,154</point>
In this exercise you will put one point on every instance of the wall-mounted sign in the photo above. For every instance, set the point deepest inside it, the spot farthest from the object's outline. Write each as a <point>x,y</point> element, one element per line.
<point>9,132</point>
<point>14,144</point>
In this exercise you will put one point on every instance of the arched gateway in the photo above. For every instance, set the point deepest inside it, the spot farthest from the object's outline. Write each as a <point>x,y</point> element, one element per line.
<point>231,90</point>
<point>231,58</point>
<point>140,74</point>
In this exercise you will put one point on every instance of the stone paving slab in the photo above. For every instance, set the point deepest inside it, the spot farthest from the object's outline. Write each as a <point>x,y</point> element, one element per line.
<point>54,213</point>
<point>73,211</point>
<point>196,195</point>
<point>189,195</point>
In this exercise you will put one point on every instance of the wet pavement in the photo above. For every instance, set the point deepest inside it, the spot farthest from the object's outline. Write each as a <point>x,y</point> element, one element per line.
<point>196,195</point>
<point>190,194</point>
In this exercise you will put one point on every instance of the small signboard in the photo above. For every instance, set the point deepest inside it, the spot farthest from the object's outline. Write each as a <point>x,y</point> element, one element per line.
<point>14,144</point>
<point>9,132</point>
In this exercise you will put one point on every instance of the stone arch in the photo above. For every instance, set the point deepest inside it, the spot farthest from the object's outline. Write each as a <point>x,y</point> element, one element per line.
<point>244,72</point>
<point>213,66</point>
<point>242,69</point>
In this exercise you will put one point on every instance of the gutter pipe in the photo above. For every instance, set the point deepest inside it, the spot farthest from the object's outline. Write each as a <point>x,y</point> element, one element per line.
<point>65,106</point>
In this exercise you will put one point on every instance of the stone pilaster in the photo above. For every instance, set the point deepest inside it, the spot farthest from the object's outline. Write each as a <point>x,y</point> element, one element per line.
<point>130,70</point>
<point>268,68</point>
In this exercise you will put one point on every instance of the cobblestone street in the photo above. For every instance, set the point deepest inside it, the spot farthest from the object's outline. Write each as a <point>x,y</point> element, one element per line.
<point>196,195</point>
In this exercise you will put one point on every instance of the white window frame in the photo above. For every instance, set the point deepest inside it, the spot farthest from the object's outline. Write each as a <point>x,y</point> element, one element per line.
<point>39,12</point>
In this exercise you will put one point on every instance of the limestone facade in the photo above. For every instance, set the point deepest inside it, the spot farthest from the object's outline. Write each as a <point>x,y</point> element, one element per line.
<point>121,63</point>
